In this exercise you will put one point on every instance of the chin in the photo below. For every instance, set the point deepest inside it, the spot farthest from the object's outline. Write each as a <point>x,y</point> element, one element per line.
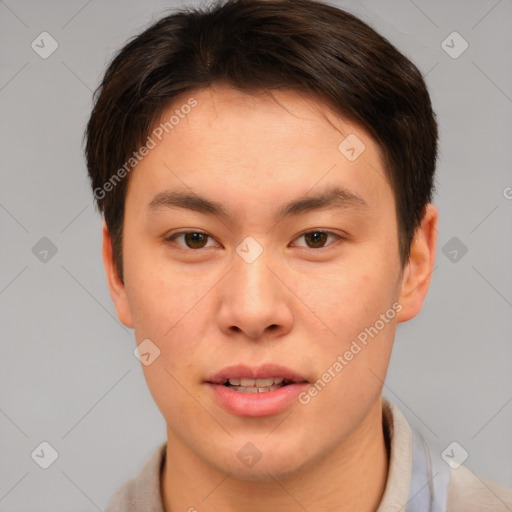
<point>264,471</point>
<point>271,462</point>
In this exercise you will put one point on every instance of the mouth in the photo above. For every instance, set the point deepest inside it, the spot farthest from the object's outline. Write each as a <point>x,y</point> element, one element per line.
<point>256,391</point>
<point>252,379</point>
<point>246,385</point>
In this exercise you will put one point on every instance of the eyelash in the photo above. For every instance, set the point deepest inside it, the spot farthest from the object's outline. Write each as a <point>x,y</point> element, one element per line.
<point>174,236</point>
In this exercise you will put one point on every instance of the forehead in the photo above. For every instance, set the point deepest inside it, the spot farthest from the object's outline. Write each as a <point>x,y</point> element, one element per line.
<point>221,138</point>
<point>277,115</point>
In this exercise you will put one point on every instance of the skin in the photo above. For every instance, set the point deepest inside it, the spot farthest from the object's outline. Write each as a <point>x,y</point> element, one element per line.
<point>207,308</point>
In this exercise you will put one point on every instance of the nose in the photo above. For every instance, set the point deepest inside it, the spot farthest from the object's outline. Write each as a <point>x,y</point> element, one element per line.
<point>254,301</point>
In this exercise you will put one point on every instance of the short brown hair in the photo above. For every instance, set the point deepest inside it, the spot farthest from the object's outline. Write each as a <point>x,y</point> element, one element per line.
<point>258,45</point>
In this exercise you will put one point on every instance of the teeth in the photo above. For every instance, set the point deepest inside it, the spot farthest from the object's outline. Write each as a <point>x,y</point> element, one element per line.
<point>254,389</point>
<point>257,383</point>
<point>244,385</point>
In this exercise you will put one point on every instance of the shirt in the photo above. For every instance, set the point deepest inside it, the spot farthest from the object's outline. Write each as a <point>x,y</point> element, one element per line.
<point>419,479</point>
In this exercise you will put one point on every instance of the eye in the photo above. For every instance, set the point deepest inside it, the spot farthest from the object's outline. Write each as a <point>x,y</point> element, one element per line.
<point>192,239</point>
<point>317,238</point>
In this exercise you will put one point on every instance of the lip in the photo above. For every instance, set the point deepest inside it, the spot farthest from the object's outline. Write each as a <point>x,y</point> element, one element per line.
<point>256,404</point>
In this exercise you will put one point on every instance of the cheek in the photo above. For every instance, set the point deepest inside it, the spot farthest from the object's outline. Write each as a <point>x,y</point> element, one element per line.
<point>351,362</point>
<point>170,308</point>
<point>345,300</point>
<point>165,311</point>
<point>171,392</point>
<point>358,304</point>
<point>159,295</point>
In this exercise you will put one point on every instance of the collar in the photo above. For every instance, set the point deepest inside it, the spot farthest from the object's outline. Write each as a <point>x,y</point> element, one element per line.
<point>418,478</point>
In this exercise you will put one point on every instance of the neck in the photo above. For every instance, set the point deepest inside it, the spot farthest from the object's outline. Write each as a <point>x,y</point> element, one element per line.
<point>352,477</point>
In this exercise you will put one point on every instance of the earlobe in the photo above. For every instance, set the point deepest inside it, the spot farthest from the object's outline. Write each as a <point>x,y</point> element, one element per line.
<point>115,284</point>
<point>418,271</point>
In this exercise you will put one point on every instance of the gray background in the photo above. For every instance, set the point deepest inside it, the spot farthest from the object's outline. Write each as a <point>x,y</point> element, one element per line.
<point>68,373</point>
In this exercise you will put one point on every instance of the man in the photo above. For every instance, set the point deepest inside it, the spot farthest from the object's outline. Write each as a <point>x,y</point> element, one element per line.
<point>265,172</point>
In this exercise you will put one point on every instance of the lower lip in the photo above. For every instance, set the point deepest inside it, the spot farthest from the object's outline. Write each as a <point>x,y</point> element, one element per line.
<point>257,404</point>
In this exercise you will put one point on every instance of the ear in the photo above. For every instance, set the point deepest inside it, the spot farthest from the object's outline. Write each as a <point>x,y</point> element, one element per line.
<point>418,272</point>
<point>115,284</point>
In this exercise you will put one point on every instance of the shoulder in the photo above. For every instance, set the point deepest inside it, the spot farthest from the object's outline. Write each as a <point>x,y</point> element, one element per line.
<point>124,498</point>
<point>469,492</point>
<point>141,493</point>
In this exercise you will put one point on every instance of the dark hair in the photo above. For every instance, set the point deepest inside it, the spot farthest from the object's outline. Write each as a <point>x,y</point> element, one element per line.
<point>258,45</point>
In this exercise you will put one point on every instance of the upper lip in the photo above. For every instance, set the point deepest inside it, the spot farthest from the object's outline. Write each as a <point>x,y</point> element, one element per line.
<point>255,372</point>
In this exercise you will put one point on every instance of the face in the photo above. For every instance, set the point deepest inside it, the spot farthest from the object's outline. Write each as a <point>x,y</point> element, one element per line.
<point>253,246</point>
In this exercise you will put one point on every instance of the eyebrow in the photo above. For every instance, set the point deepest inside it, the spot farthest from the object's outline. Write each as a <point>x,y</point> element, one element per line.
<point>331,197</point>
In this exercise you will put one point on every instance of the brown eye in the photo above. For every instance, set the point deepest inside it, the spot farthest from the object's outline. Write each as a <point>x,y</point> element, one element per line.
<point>317,239</point>
<point>192,239</point>
<point>195,240</point>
